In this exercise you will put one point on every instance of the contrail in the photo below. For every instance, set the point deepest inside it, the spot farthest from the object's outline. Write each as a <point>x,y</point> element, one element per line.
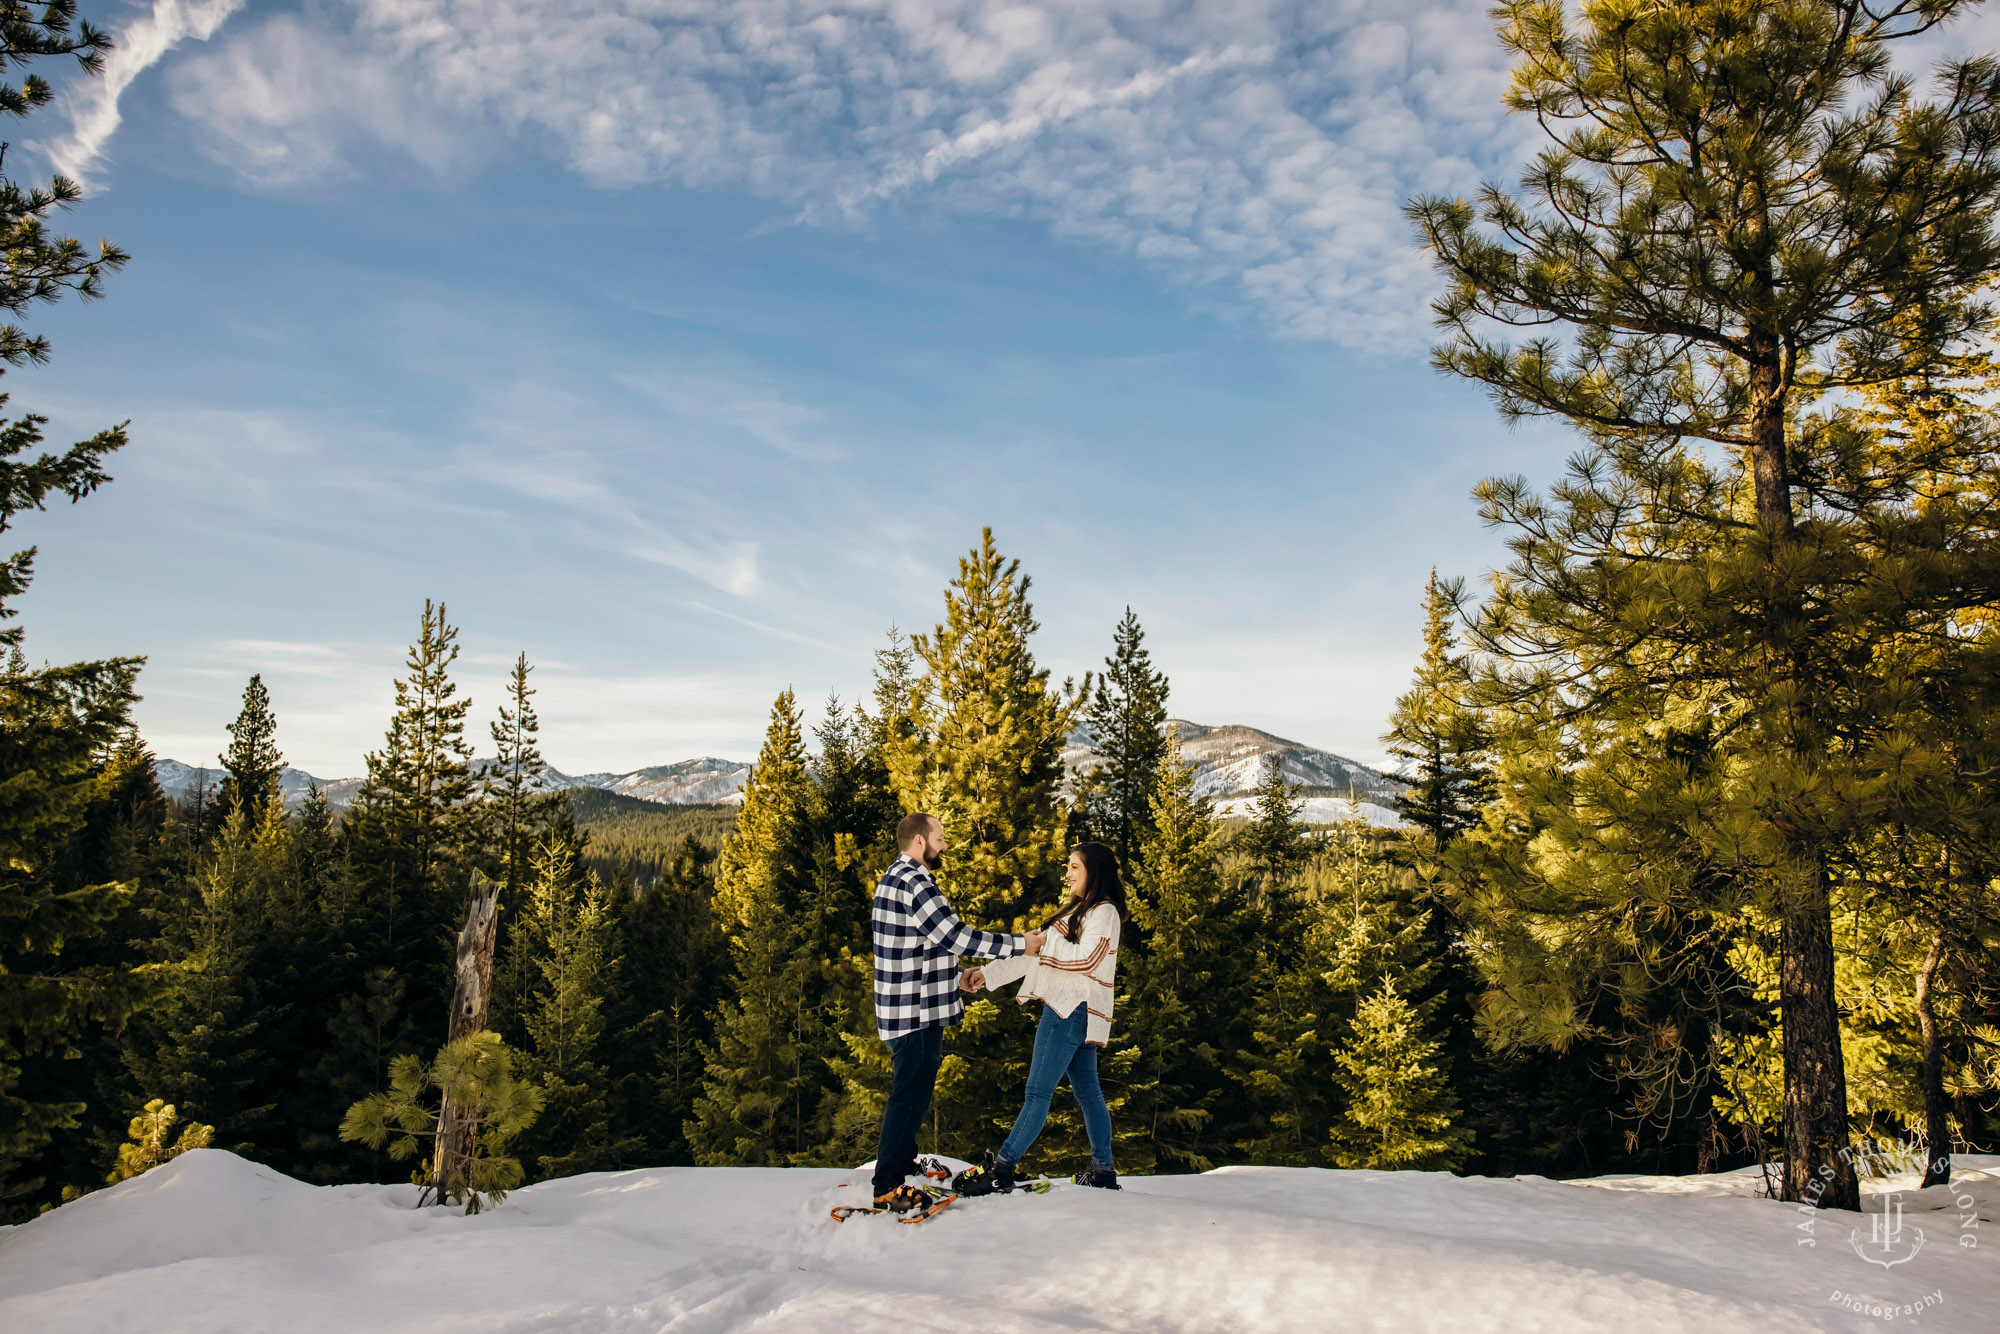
<point>93,103</point>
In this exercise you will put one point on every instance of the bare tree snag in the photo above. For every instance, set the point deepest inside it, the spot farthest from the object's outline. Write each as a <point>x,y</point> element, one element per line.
<point>472,990</point>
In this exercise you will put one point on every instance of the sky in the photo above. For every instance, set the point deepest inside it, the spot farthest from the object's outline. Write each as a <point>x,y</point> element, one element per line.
<point>685,347</point>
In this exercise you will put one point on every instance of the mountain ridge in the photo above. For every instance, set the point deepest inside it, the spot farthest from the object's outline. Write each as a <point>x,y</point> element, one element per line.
<point>1228,761</point>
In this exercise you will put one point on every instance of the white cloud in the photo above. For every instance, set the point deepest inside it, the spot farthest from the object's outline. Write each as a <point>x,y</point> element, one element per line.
<point>93,103</point>
<point>1256,152</point>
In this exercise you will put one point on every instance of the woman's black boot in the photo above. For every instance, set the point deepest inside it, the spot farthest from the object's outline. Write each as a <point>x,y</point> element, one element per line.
<point>1104,1178</point>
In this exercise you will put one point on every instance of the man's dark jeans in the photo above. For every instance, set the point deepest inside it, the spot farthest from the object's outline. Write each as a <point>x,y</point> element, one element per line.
<point>915,1058</point>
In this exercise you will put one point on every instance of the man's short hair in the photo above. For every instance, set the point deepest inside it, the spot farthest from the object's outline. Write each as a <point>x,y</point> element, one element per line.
<point>917,824</point>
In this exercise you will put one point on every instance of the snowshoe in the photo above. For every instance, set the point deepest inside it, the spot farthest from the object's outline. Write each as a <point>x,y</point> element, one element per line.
<point>938,1200</point>
<point>1104,1178</point>
<point>934,1169</point>
<point>991,1175</point>
<point>901,1200</point>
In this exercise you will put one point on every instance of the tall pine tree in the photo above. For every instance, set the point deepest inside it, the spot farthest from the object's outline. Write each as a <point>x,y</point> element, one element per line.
<point>1437,733</point>
<point>1127,722</point>
<point>766,1072</point>
<point>1728,254</point>
<point>1186,996</point>
<point>55,722</point>
<point>252,763</point>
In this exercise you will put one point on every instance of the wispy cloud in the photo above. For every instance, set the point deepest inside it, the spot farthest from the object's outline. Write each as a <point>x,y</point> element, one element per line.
<point>93,103</point>
<point>1257,153</point>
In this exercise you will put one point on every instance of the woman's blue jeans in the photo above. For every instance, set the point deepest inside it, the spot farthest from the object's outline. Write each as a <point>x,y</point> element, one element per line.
<point>1060,1050</point>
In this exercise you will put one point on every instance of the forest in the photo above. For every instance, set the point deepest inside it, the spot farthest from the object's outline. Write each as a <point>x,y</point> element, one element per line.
<point>1702,824</point>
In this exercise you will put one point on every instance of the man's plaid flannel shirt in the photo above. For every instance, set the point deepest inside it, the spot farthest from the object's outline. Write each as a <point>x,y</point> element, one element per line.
<point>918,940</point>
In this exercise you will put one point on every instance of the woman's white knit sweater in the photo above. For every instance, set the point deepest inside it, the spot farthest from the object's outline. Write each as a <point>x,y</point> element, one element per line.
<point>1068,973</point>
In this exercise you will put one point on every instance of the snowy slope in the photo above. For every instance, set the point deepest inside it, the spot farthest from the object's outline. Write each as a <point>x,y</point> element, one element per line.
<point>211,1242</point>
<point>686,783</point>
<point>1228,762</point>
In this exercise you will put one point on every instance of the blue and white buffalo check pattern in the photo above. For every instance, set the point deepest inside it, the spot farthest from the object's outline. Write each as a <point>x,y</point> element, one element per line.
<point>918,941</point>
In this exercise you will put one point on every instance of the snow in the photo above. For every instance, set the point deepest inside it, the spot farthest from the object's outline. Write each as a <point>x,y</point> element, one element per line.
<point>213,1243</point>
<point>1322,810</point>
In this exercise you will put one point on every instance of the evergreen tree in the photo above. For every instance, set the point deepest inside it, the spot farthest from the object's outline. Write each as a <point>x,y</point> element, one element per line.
<point>1277,841</point>
<point>570,913</point>
<point>1437,734</point>
<point>1186,995</point>
<point>477,1069</point>
<point>986,757</point>
<point>149,1147</point>
<point>252,763</point>
<point>991,759</point>
<point>1127,722</point>
<point>412,830</point>
<point>123,835</point>
<point>1730,254</point>
<point>206,1050</point>
<point>512,784</point>
<point>673,975</point>
<point>1400,1108</point>
<point>55,722</point>
<point>766,1074</point>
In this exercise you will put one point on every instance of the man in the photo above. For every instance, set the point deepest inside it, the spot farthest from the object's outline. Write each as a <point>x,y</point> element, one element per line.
<point>918,941</point>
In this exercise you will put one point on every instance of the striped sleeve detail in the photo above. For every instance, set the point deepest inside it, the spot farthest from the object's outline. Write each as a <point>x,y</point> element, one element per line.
<point>1086,963</point>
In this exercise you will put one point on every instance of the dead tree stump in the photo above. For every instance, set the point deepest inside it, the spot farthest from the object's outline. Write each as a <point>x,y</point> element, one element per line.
<point>458,1122</point>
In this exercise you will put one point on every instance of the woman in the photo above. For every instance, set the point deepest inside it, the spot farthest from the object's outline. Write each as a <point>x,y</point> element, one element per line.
<point>1073,976</point>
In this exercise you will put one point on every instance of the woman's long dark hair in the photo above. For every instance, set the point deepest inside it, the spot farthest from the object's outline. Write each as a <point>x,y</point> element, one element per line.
<point>1100,885</point>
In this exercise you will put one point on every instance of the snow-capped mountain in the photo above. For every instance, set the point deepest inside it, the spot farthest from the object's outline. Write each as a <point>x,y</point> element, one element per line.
<point>686,783</point>
<point>1227,762</point>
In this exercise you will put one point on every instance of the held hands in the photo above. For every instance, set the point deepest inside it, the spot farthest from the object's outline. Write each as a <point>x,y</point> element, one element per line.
<point>1035,939</point>
<point>972,980</point>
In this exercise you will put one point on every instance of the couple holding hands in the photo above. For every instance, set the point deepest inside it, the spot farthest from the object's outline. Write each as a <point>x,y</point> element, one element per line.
<point>1070,964</point>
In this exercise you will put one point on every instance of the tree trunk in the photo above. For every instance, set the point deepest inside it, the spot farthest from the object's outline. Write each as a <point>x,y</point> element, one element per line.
<point>1937,1110</point>
<point>1818,1168</point>
<point>458,1123</point>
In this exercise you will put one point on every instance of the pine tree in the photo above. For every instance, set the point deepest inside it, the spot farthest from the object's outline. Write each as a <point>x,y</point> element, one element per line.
<point>762,1088</point>
<point>477,1069</point>
<point>149,1147</point>
<point>412,827</point>
<point>1435,731</point>
<point>512,784</point>
<point>1185,996</point>
<point>252,763</point>
<point>570,915</point>
<point>55,721</point>
<point>1729,254</point>
<point>986,757</point>
<point>675,966</point>
<point>1127,722</point>
<point>991,763</point>
<point>1277,841</point>
<point>206,1049</point>
<point>1400,1108</point>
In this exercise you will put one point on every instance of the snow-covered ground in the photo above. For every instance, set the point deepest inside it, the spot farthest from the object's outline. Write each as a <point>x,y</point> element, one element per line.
<point>212,1243</point>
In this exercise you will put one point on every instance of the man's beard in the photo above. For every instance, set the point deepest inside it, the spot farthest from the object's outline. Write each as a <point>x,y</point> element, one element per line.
<point>933,860</point>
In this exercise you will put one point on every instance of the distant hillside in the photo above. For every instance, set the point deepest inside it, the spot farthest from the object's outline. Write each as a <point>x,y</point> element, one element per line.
<point>645,833</point>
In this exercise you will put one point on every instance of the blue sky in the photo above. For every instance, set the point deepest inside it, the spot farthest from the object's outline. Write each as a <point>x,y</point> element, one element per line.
<point>685,347</point>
